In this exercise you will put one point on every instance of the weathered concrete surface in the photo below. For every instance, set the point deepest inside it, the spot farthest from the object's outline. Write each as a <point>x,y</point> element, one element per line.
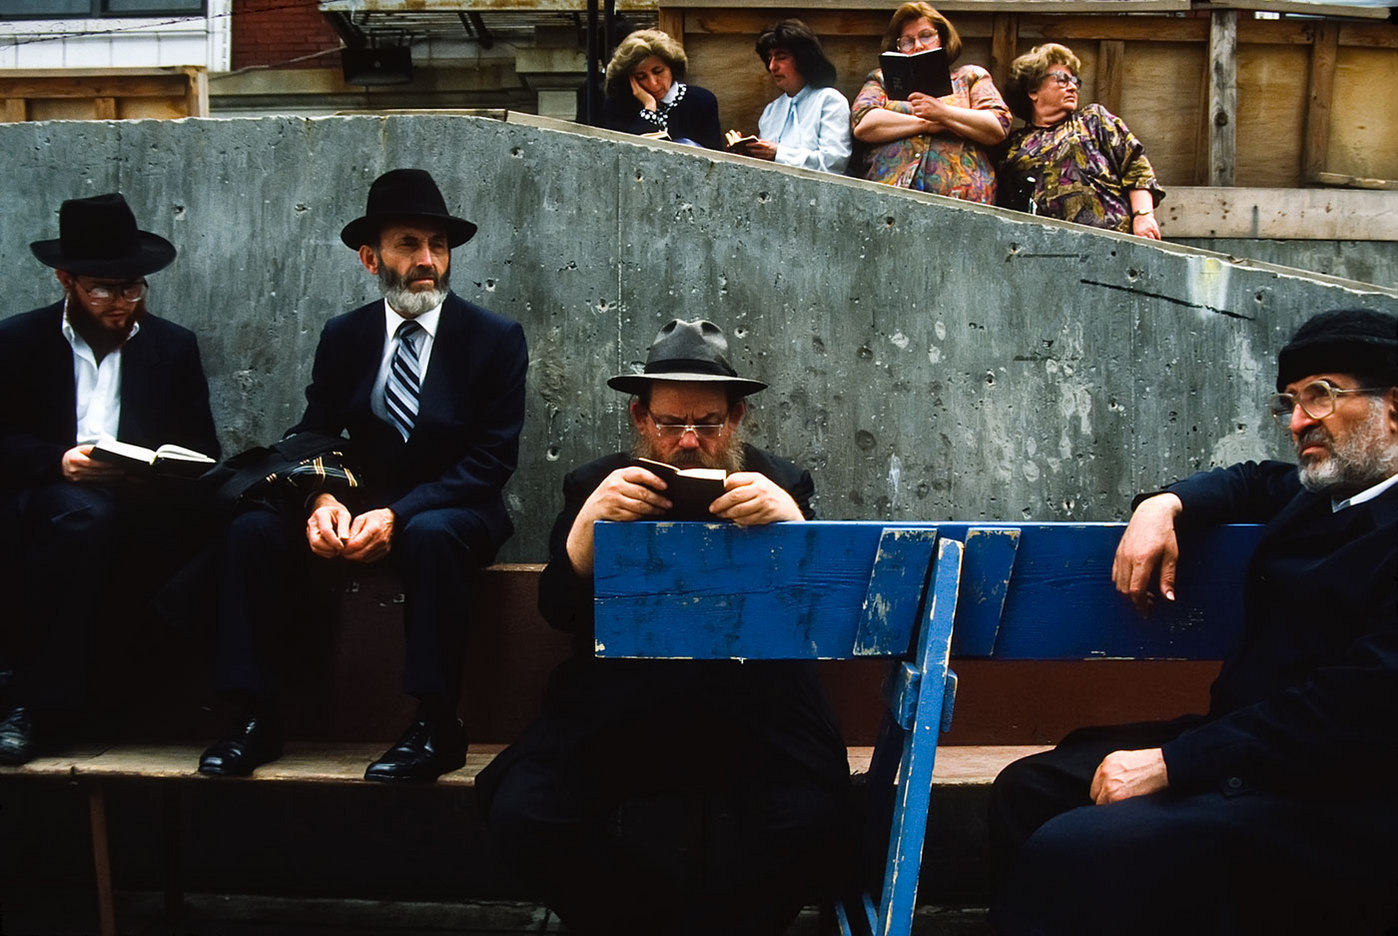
<point>1366,261</point>
<point>929,359</point>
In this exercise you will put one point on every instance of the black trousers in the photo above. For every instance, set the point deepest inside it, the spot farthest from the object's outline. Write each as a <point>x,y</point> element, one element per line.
<point>264,562</point>
<point>1216,862</point>
<point>82,564</point>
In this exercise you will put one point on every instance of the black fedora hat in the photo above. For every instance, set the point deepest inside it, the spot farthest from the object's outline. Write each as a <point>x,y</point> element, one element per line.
<point>687,352</point>
<point>404,193</point>
<point>97,236</point>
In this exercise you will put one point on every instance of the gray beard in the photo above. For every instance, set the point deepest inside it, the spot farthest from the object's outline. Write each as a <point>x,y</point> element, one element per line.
<point>729,458</point>
<point>405,301</point>
<point>1361,460</point>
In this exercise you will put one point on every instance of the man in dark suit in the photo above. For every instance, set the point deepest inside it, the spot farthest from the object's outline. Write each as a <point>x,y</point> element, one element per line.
<point>86,539</point>
<point>1277,812</point>
<point>430,389</point>
<point>598,803</point>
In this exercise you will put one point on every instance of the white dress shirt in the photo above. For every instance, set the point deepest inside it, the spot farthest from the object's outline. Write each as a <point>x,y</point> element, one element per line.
<point>428,320</point>
<point>811,129</point>
<point>1367,494</point>
<point>98,386</point>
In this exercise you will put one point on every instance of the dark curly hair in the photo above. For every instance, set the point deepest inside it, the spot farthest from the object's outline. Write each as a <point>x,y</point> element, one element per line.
<point>794,36</point>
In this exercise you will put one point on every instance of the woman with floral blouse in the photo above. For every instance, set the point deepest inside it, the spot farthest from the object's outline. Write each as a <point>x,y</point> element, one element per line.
<point>931,144</point>
<point>1085,164</point>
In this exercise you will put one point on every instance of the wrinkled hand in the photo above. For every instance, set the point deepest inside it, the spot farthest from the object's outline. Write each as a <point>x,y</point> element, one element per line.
<point>1145,226</point>
<point>370,536</point>
<point>1148,552</point>
<point>78,465</point>
<point>762,149</point>
<point>1124,774</point>
<point>328,527</point>
<point>752,499</point>
<point>931,109</point>
<point>642,95</point>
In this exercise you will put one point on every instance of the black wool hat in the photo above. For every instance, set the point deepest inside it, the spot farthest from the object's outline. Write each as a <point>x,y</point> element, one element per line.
<point>1362,342</point>
<point>404,193</point>
<point>97,236</point>
<point>687,352</point>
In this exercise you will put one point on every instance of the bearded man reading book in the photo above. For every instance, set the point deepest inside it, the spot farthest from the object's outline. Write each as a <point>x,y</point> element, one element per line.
<point>88,540</point>
<point>665,797</point>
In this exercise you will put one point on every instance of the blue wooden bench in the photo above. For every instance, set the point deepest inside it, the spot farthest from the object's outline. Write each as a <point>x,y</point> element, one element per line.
<point>917,594</point>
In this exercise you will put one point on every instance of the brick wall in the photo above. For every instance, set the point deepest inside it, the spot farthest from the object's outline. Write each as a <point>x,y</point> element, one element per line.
<point>271,32</point>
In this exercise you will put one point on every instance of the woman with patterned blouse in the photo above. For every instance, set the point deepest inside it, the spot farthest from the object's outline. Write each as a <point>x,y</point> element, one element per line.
<point>1085,164</point>
<point>928,143</point>
<point>646,93</point>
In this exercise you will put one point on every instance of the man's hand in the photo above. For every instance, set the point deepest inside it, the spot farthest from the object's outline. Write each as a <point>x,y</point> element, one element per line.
<point>328,527</point>
<point>752,499</point>
<point>79,466</point>
<point>370,536</point>
<point>630,493</point>
<point>1148,552</point>
<point>1124,774</point>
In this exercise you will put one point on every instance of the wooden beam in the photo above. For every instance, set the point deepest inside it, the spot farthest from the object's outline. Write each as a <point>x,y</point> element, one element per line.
<point>16,110</point>
<point>1280,213</point>
<point>104,108</point>
<point>671,20</point>
<point>196,100</point>
<point>78,86</point>
<point>1223,96</point>
<point>1320,96</point>
<point>1111,55</point>
<point>1004,43</point>
<point>1349,181</point>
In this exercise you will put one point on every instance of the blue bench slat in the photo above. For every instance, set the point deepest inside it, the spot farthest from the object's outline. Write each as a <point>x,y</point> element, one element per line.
<point>812,581</point>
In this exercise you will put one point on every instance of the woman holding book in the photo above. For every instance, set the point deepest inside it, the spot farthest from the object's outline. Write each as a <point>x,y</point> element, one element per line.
<point>808,124</point>
<point>646,93</point>
<point>928,143</point>
<point>1078,165</point>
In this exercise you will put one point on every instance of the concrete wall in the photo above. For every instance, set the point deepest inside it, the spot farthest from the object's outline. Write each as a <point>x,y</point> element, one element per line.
<point>928,359</point>
<point>1370,261</point>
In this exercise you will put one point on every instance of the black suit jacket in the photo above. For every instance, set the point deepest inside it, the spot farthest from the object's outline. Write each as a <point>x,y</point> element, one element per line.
<point>1310,696</point>
<point>465,442</point>
<point>164,396</point>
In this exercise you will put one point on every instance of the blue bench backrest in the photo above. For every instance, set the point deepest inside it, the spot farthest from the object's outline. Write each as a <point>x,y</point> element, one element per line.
<point>835,590</point>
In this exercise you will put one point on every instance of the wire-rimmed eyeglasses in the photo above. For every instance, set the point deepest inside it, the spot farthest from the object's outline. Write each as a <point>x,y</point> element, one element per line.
<point>104,293</point>
<point>1316,399</point>
<point>678,429</point>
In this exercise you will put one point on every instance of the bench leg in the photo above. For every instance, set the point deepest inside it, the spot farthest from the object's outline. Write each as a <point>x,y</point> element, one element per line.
<point>101,858</point>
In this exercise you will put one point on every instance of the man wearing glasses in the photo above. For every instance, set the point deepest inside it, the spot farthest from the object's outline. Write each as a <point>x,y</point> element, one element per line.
<point>1277,812</point>
<point>598,804</point>
<point>85,539</point>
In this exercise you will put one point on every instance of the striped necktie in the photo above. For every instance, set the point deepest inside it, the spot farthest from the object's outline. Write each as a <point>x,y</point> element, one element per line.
<point>400,391</point>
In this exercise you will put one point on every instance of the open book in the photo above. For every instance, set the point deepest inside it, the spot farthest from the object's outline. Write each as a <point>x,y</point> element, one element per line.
<point>736,141</point>
<point>167,460</point>
<point>691,490</point>
<point>924,71</point>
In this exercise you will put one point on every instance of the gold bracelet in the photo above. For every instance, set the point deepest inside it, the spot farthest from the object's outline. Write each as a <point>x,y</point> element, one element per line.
<point>1143,214</point>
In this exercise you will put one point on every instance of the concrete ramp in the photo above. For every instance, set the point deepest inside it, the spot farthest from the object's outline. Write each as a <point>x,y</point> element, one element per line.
<point>929,359</point>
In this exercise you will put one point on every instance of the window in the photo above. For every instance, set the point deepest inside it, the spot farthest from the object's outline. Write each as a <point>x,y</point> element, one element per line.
<point>77,9</point>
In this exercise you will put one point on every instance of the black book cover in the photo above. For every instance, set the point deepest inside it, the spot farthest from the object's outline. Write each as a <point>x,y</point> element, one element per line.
<point>691,490</point>
<point>925,71</point>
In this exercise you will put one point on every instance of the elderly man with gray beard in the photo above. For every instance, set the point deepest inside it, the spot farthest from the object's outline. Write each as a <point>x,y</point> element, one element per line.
<point>430,389</point>
<point>1277,812</point>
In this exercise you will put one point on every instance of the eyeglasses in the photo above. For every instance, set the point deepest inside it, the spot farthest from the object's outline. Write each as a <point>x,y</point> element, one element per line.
<point>927,37</point>
<point>1065,80</point>
<point>677,430</point>
<point>106,293</point>
<point>1316,399</point>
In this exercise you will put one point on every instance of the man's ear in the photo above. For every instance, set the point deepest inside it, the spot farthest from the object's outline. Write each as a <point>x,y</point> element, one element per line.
<point>64,277</point>
<point>1390,398</point>
<point>736,409</point>
<point>639,414</point>
<point>369,258</point>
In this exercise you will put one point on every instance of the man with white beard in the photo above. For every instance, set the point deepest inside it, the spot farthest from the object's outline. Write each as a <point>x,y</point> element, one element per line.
<point>1276,812</point>
<point>430,389</point>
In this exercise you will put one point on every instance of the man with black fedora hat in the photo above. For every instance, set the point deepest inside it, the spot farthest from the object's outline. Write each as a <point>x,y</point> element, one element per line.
<point>597,804</point>
<point>1277,811</point>
<point>430,390</point>
<point>87,539</point>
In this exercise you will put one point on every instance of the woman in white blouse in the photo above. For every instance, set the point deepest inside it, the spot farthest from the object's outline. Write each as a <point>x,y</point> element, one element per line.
<point>808,124</point>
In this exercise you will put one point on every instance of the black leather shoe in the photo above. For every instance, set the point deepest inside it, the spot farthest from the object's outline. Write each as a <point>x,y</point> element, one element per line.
<point>17,736</point>
<point>427,750</point>
<point>256,741</point>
